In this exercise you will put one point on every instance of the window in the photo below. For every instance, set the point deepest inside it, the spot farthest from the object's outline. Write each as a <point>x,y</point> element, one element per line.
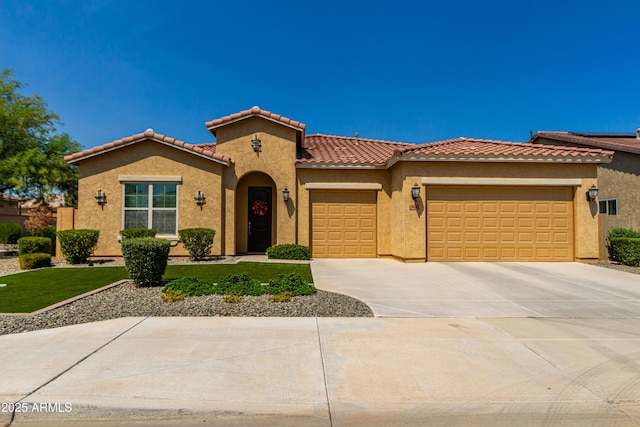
<point>608,206</point>
<point>151,206</point>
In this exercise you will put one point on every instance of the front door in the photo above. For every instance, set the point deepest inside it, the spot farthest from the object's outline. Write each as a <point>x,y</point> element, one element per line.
<point>259,219</point>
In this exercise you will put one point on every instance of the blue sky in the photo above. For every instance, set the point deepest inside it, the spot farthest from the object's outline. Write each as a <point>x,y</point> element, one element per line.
<point>401,70</point>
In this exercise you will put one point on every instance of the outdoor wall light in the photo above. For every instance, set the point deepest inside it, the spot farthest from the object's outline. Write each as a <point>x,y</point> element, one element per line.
<point>200,199</point>
<point>256,145</point>
<point>592,193</point>
<point>285,194</point>
<point>415,191</point>
<point>101,198</point>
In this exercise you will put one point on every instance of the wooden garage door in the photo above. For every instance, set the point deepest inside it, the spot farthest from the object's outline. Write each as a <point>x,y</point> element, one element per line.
<point>343,224</point>
<point>499,223</point>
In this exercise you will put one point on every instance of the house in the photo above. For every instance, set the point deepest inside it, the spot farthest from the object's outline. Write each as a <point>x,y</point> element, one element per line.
<point>265,182</point>
<point>618,180</point>
<point>18,210</point>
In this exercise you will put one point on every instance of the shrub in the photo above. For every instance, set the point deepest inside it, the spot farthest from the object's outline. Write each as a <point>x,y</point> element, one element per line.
<point>34,245</point>
<point>623,232</point>
<point>78,245</point>
<point>292,283</point>
<point>198,241</point>
<point>190,286</point>
<point>172,296</point>
<point>36,260</point>
<point>282,297</point>
<point>10,233</point>
<point>289,251</point>
<point>240,284</point>
<point>39,219</point>
<point>625,250</point>
<point>49,232</point>
<point>232,298</point>
<point>145,259</point>
<point>134,233</point>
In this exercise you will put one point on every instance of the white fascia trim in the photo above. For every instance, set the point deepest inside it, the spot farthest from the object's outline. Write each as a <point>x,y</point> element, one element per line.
<point>343,186</point>
<point>541,182</point>
<point>149,178</point>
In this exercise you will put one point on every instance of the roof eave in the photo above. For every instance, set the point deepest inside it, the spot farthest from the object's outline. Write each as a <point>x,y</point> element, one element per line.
<point>502,159</point>
<point>337,165</point>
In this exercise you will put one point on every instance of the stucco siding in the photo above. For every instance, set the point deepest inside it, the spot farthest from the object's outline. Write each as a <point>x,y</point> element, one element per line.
<point>154,160</point>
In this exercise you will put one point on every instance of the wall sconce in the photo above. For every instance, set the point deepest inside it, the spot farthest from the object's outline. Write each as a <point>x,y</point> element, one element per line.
<point>256,145</point>
<point>200,199</point>
<point>592,193</point>
<point>101,198</point>
<point>415,192</point>
<point>285,194</point>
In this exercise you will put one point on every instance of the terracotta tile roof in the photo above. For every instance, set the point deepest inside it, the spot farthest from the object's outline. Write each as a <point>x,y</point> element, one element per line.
<point>483,149</point>
<point>617,142</point>
<point>255,111</point>
<point>348,150</point>
<point>204,150</point>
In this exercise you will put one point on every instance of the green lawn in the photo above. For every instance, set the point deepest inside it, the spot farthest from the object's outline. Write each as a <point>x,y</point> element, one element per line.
<point>31,291</point>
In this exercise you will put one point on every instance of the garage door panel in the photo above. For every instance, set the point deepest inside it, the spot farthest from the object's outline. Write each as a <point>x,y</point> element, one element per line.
<point>500,223</point>
<point>343,224</point>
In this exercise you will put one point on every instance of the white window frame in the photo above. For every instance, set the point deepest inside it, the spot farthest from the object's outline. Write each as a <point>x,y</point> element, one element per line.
<point>612,199</point>
<point>150,183</point>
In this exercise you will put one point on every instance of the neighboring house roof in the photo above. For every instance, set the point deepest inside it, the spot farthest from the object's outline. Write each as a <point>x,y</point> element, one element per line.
<point>490,150</point>
<point>54,202</point>
<point>628,142</point>
<point>348,150</point>
<point>149,134</point>
<point>253,112</point>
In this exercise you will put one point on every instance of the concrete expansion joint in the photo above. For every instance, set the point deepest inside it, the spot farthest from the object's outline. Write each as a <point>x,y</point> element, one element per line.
<point>324,372</point>
<point>31,393</point>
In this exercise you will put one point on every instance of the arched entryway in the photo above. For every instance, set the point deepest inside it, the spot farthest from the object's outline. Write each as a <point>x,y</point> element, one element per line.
<point>255,213</point>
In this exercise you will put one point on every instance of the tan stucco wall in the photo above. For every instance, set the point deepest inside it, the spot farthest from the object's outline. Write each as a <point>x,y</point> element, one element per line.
<point>305,176</point>
<point>151,159</point>
<point>409,226</point>
<point>275,160</point>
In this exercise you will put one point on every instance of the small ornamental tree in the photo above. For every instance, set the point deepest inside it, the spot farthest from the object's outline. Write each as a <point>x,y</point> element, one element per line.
<point>39,219</point>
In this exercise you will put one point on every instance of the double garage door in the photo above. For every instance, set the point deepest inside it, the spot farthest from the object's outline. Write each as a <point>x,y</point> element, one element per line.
<point>475,223</point>
<point>499,223</point>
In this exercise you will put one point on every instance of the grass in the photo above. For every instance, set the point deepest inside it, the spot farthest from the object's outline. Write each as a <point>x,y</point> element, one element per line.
<point>31,291</point>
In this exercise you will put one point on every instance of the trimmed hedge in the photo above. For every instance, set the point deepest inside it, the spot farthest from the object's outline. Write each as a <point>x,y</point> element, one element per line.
<point>10,232</point>
<point>35,260</point>
<point>145,259</point>
<point>198,241</point>
<point>134,233</point>
<point>625,250</point>
<point>289,251</point>
<point>34,245</point>
<point>623,232</point>
<point>78,245</point>
<point>49,232</point>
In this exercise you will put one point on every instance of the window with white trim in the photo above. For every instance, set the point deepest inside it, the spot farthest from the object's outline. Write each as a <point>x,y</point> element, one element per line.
<point>608,206</point>
<point>151,205</point>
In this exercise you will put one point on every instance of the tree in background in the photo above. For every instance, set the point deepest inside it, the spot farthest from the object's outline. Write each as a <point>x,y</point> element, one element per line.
<point>31,149</point>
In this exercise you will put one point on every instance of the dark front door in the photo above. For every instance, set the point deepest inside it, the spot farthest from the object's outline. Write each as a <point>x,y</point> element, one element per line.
<point>259,219</point>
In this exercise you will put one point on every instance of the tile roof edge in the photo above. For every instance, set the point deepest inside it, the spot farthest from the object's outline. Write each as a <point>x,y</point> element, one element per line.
<point>253,112</point>
<point>359,138</point>
<point>591,141</point>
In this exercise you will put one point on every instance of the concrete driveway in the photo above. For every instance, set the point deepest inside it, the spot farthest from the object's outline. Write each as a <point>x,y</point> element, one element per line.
<point>476,289</point>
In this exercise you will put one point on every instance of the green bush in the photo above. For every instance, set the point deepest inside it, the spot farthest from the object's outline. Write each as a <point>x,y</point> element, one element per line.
<point>35,260</point>
<point>623,232</point>
<point>190,286</point>
<point>145,259</point>
<point>198,241</point>
<point>78,245</point>
<point>625,250</point>
<point>34,245</point>
<point>49,232</point>
<point>239,284</point>
<point>289,251</point>
<point>134,233</point>
<point>292,283</point>
<point>10,233</point>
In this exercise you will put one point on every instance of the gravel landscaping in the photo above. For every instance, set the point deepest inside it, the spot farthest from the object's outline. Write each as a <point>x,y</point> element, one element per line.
<point>127,300</point>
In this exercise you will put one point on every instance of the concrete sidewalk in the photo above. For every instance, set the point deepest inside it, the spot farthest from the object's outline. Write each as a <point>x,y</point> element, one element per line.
<point>325,371</point>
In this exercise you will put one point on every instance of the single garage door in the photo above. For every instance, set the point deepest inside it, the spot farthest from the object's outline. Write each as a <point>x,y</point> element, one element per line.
<point>499,223</point>
<point>343,224</point>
